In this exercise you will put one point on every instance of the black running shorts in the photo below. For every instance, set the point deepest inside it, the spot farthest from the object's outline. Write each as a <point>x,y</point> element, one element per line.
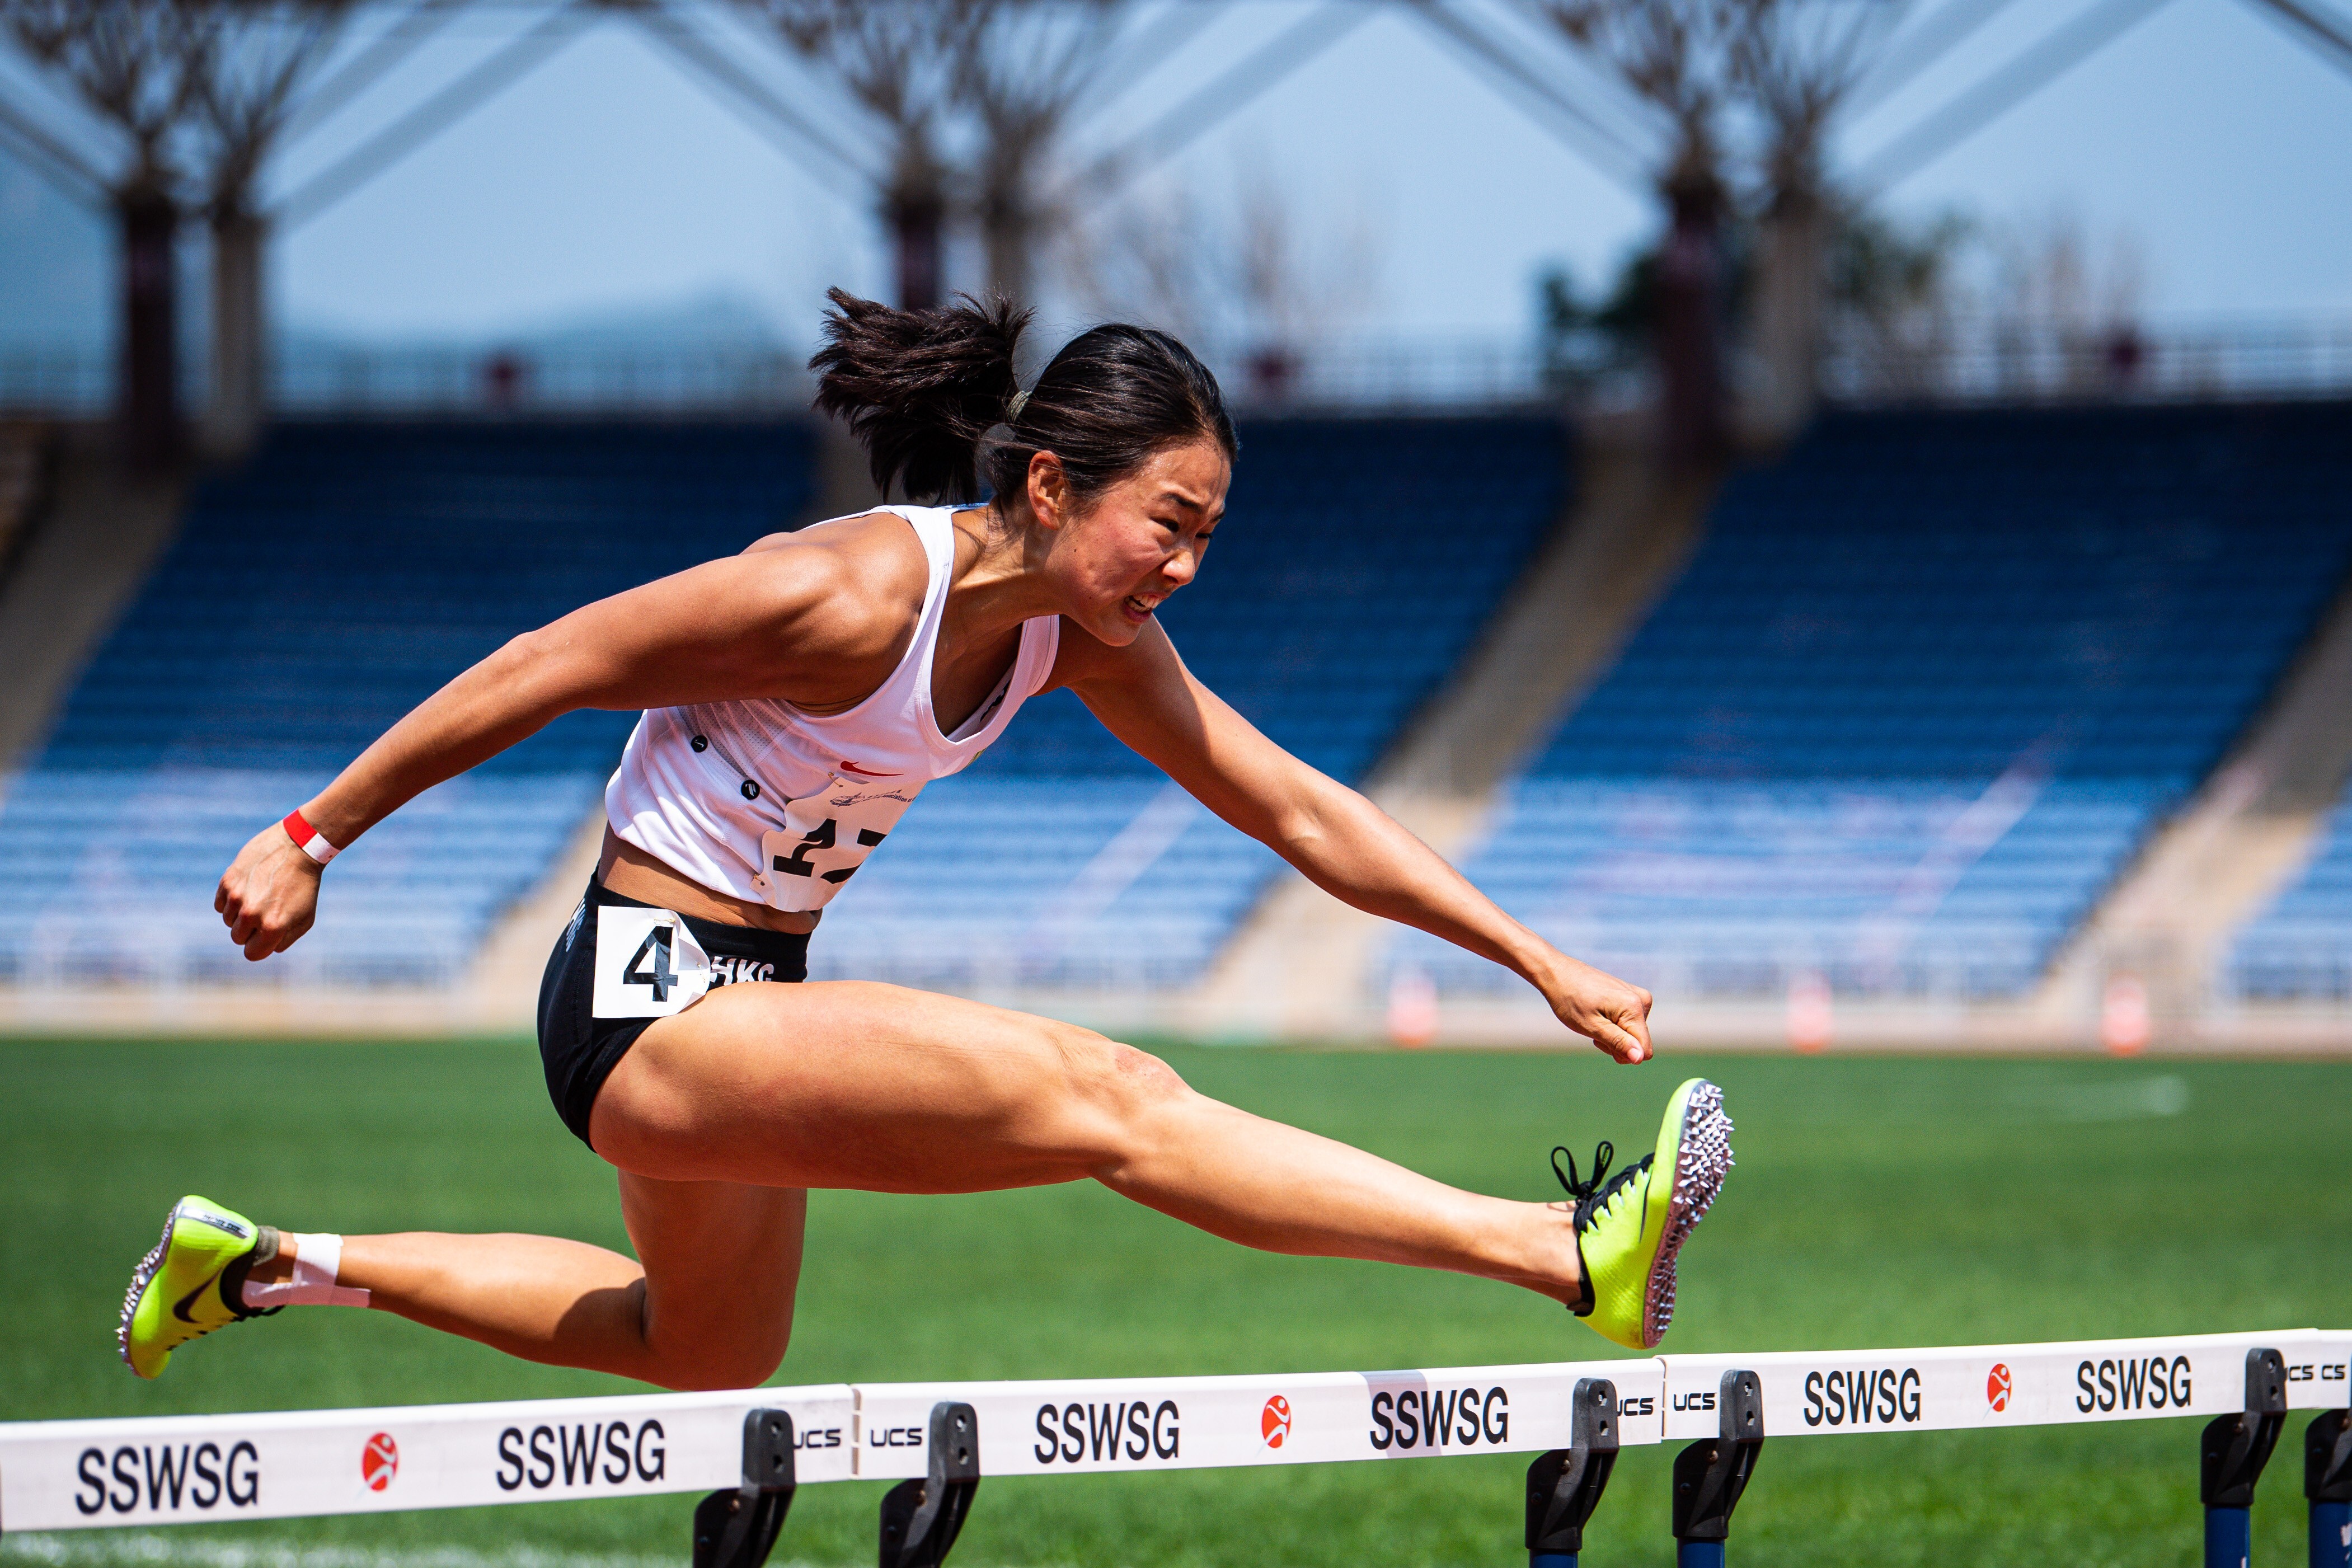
<point>612,974</point>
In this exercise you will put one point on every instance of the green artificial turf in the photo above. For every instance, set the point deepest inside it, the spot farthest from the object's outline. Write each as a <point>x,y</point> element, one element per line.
<point>1877,1202</point>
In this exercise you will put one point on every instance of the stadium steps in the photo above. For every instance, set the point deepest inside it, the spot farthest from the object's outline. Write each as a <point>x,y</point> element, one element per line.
<point>78,565</point>
<point>2171,919</point>
<point>1299,965</point>
<point>28,451</point>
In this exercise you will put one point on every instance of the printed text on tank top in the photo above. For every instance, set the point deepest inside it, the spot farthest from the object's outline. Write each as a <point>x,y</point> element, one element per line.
<point>765,802</point>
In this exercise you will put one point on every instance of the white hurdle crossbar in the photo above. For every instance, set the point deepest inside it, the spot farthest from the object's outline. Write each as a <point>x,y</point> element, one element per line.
<point>750,1449</point>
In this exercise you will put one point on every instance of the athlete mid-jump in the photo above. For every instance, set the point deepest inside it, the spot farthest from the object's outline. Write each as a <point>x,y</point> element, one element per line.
<point>796,699</point>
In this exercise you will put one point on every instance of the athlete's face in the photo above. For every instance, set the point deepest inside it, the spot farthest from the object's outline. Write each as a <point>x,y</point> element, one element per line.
<point>1141,540</point>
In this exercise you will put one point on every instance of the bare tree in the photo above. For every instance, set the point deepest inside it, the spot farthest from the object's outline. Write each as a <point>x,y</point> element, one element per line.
<point>137,65</point>
<point>1026,64</point>
<point>2065,301</point>
<point>1678,55</point>
<point>1143,258</point>
<point>263,52</point>
<point>1299,282</point>
<point>904,62</point>
<point>1237,273</point>
<point>1795,62</point>
<point>1895,300</point>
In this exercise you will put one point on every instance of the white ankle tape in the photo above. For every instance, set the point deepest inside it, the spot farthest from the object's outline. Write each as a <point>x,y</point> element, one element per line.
<point>317,1260</point>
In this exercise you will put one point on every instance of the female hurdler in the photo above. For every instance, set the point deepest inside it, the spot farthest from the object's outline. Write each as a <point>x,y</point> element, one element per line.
<point>797,697</point>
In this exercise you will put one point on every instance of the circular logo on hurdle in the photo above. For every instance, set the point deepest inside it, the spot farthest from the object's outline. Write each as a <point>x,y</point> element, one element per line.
<point>1275,1424</point>
<point>379,1461</point>
<point>1997,1386</point>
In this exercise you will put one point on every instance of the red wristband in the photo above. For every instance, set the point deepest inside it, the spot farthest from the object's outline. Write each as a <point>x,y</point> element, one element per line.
<point>307,839</point>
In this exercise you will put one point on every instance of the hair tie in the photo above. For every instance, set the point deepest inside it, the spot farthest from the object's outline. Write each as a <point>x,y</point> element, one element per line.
<point>1012,409</point>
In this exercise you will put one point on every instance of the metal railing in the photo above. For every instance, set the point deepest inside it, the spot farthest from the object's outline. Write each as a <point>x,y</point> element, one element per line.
<point>1963,362</point>
<point>2010,361</point>
<point>1437,374</point>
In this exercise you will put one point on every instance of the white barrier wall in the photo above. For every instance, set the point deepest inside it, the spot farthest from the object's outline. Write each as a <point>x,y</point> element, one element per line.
<point>180,1469</point>
<point>1058,1427</point>
<point>69,1474</point>
<point>1808,1392</point>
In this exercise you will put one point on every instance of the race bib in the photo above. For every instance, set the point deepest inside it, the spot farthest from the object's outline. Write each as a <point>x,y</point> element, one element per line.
<point>825,837</point>
<point>648,965</point>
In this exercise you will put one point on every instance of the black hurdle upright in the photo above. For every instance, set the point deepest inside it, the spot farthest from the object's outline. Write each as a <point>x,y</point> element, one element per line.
<point>735,1528</point>
<point>1565,1485</point>
<point>2327,1485</point>
<point>2231,1455</point>
<point>920,1518</point>
<point>1710,1474</point>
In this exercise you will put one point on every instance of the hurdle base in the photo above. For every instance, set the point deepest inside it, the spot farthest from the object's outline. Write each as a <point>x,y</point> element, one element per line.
<point>1565,1485</point>
<point>737,1528</point>
<point>2231,1452</point>
<point>921,1518</point>
<point>719,1543</point>
<point>1711,1474</point>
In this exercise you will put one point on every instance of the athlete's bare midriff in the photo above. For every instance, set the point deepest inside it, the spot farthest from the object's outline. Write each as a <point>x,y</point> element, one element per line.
<point>628,870</point>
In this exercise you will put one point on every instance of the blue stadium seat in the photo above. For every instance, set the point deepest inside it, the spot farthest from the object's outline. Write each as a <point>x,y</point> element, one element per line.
<point>311,598</point>
<point>334,582</point>
<point>2300,948</point>
<point>1926,688</point>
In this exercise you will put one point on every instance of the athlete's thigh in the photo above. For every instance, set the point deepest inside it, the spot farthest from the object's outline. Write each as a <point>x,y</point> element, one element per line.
<point>722,1262</point>
<point>851,1084</point>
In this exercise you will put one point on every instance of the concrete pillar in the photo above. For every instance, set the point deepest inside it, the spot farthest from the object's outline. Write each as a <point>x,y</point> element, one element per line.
<point>1690,323</point>
<point>233,421</point>
<point>1793,248</point>
<point>147,391</point>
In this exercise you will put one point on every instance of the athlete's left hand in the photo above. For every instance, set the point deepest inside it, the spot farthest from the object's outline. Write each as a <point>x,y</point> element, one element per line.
<point>1614,1014</point>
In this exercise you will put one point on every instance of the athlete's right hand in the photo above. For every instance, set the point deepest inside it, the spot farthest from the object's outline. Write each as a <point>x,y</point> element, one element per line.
<point>1614,1014</point>
<point>269,894</point>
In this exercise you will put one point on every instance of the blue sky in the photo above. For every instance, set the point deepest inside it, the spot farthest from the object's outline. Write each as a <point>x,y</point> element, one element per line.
<point>608,183</point>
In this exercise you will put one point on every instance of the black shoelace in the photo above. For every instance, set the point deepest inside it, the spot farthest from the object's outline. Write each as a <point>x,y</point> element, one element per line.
<point>1593,1194</point>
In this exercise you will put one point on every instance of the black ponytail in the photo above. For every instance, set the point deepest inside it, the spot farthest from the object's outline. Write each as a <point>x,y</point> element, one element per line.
<point>919,388</point>
<point>922,389</point>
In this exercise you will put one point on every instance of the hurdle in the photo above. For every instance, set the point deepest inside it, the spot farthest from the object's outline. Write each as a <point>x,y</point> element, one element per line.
<point>750,1449</point>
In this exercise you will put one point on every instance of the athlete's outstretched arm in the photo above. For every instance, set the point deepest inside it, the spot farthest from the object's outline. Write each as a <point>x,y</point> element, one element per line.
<point>807,623</point>
<point>1337,839</point>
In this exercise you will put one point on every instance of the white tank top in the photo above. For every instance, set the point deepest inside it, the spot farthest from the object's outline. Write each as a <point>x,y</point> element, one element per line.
<point>767,804</point>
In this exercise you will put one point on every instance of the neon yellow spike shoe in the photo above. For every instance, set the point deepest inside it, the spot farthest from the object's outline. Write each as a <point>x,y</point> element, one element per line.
<point>1630,1226</point>
<point>192,1283</point>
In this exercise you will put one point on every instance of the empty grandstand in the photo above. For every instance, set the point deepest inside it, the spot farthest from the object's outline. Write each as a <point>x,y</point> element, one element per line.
<point>1929,682</point>
<point>314,597</point>
<point>311,598</point>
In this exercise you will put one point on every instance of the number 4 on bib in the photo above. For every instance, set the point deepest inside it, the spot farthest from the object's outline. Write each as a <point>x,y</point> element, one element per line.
<point>648,965</point>
<point>660,975</point>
